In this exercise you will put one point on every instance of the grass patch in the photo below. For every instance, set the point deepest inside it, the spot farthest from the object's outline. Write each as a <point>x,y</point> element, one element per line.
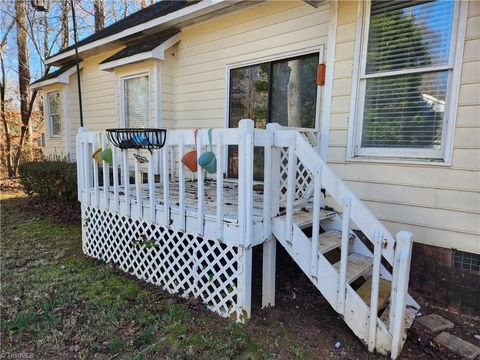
<point>71,306</point>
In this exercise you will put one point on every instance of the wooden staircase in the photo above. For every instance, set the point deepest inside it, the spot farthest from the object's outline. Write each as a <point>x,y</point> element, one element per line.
<point>368,288</point>
<point>358,275</point>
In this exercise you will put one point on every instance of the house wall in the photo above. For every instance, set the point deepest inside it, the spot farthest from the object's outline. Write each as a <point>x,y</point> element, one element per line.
<point>439,204</point>
<point>206,49</point>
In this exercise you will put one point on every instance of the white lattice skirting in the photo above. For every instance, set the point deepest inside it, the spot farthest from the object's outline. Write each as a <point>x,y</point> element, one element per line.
<point>178,262</point>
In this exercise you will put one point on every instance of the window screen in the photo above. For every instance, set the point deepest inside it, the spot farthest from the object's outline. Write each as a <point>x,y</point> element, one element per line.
<point>405,108</point>
<point>136,96</point>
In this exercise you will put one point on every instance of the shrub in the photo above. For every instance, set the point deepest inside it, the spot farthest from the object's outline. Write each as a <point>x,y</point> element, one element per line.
<point>53,179</point>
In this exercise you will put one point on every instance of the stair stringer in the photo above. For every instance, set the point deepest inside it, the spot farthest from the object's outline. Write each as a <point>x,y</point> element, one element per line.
<point>356,311</point>
<point>335,223</point>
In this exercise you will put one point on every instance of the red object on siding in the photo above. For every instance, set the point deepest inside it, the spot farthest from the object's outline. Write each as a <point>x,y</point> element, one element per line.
<point>321,69</point>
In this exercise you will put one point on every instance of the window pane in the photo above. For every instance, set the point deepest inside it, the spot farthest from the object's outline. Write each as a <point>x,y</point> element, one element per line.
<point>137,102</point>
<point>54,102</point>
<point>248,100</point>
<point>405,111</point>
<point>294,92</point>
<point>249,95</point>
<point>408,34</point>
<point>56,124</point>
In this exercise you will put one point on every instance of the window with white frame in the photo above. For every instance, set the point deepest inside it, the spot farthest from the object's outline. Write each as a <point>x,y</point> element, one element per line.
<point>136,101</point>
<point>405,82</point>
<point>53,110</point>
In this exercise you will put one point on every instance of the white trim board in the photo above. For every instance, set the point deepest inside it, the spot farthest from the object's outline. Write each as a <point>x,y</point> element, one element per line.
<point>157,53</point>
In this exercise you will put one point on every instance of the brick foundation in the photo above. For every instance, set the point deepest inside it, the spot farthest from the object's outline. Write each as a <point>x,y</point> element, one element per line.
<point>434,278</point>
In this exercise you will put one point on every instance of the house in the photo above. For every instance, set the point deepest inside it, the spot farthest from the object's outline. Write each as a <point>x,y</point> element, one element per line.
<point>391,133</point>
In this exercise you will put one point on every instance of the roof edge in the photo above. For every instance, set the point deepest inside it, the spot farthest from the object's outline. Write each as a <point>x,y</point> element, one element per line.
<point>190,12</point>
<point>63,78</point>
<point>156,53</point>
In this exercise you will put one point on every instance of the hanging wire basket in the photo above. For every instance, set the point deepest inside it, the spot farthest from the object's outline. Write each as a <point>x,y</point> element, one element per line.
<point>148,139</point>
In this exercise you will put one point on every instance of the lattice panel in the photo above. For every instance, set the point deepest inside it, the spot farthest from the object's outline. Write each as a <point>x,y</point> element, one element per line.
<point>178,262</point>
<point>303,179</point>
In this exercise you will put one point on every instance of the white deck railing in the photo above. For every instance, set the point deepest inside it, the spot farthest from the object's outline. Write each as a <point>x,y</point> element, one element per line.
<point>294,173</point>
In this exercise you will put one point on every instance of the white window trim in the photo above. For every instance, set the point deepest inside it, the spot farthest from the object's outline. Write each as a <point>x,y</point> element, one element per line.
<point>51,135</point>
<point>123,119</point>
<point>395,155</point>
<point>271,58</point>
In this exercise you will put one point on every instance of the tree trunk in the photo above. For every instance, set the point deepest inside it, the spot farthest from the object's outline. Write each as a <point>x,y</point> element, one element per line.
<point>65,24</point>
<point>3,117</point>
<point>99,10</point>
<point>23,77</point>
<point>294,103</point>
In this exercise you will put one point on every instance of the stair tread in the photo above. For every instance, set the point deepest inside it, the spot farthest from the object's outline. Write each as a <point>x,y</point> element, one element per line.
<point>329,240</point>
<point>304,218</point>
<point>410,315</point>
<point>357,265</point>
<point>383,292</point>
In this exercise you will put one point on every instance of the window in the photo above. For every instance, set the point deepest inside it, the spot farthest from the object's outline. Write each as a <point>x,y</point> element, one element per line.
<point>283,91</point>
<point>54,118</point>
<point>405,79</point>
<point>136,101</point>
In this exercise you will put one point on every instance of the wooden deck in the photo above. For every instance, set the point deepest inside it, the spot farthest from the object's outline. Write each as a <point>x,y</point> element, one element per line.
<point>230,197</point>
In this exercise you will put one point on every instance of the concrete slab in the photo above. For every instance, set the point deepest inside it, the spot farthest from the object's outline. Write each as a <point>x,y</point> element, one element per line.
<point>461,347</point>
<point>435,323</point>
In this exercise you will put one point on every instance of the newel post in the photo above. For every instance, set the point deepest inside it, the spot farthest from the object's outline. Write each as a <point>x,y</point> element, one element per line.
<point>271,198</point>
<point>245,221</point>
<point>401,273</point>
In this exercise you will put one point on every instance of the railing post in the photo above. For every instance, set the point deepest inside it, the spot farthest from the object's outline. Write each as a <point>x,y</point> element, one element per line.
<point>245,220</point>
<point>274,185</point>
<point>106,175</point>
<point>317,204</point>
<point>166,186</point>
<point>95,172</point>
<point>344,255</point>
<point>377,257</point>
<point>200,186</point>
<point>80,168</point>
<point>270,245</point>
<point>401,271</point>
<point>126,182</point>
<point>115,168</point>
<point>219,150</point>
<point>291,182</point>
<point>181,184</point>
<point>138,187</point>
<point>151,188</point>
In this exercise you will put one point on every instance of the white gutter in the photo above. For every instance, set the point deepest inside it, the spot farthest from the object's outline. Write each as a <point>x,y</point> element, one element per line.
<point>202,8</point>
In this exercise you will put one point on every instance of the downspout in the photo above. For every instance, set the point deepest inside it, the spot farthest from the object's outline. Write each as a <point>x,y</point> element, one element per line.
<point>77,63</point>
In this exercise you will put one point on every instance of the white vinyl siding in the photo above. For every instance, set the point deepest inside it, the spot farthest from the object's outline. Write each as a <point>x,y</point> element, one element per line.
<point>406,84</point>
